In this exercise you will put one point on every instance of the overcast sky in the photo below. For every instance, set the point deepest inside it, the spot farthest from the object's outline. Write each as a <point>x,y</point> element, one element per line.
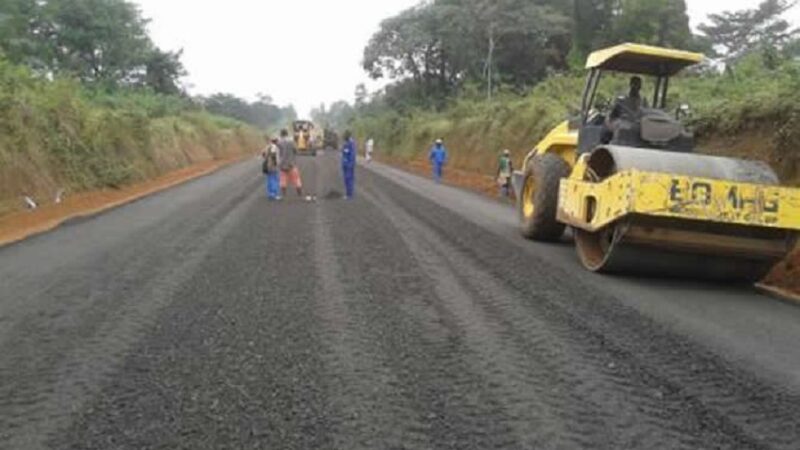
<point>298,51</point>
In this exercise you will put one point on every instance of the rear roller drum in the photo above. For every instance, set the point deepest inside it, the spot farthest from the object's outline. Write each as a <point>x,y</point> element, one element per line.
<point>595,249</point>
<point>618,249</point>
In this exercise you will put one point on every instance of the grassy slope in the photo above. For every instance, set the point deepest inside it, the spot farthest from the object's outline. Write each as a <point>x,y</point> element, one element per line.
<point>55,135</point>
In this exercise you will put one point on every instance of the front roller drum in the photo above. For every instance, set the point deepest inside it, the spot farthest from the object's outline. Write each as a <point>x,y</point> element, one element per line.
<point>628,247</point>
<point>653,245</point>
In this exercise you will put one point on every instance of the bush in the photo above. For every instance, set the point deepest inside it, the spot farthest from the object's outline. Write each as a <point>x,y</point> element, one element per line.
<point>57,134</point>
<point>751,98</point>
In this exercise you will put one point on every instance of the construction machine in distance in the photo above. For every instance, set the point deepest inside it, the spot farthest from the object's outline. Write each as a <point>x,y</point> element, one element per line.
<point>330,139</point>
<point>305,137</point>
<point>637,197</point>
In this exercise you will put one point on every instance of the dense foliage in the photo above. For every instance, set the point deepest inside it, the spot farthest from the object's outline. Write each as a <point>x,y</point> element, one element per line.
<point>105,45</point>
<point>102,42</point>
<point>737,33</point>
<point>433,50</point>
<point>88,101</point>
<point>758,101</point>
<point>431,53</point>
<point>336,116</point>
<point>758,89</point>
<point>262,113</point>
<point>60,135</point>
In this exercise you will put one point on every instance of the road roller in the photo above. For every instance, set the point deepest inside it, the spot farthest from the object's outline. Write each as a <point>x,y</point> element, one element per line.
<point>627,180</point>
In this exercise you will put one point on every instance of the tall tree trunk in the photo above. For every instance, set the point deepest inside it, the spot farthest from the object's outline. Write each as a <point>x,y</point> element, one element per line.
<point>490,65</point>
<point>444,84</point>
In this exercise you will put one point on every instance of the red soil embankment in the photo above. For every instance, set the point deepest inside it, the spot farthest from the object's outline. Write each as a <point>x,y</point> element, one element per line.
<point>20,225</point>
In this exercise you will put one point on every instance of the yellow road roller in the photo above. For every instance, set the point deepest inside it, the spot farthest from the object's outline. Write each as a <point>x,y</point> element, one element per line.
<point>626,179</point>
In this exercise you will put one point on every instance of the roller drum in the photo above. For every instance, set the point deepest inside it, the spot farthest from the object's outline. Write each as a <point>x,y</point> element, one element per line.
<point>601,252</point>
<point>608,160</point>
<point>673,248</point>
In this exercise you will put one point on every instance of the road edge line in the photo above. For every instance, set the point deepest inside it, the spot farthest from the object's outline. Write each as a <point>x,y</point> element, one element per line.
<point>54,224</point>
<point>779,293</point>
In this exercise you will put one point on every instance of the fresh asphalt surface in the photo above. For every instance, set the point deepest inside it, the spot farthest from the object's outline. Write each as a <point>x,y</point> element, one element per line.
<point>412,317</point>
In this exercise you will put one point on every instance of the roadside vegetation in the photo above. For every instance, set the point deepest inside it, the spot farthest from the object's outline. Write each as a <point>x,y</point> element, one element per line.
<point>57,135</point>
<point>487,75</point>
<point>752,112</point>
<point>87,101</point>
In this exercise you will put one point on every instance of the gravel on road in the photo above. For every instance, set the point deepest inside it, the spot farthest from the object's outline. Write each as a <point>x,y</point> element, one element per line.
<point>410,317</point>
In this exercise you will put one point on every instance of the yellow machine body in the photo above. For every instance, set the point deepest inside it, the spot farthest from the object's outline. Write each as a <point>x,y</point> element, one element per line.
<point>593,205</point>
<point>562,141</point>
<point>654,210</point>
<point>304,136</point>
<point>634,209</point>
<point>642,59</point>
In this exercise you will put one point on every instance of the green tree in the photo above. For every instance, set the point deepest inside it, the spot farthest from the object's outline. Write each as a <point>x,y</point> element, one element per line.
<point>20,21</point>
<point>361,95</point>
<point>338,116</point>
<point>163,70</point>
<point>737,33</point>
<point>591,28</point>
<point>101,42</point>
<point>658,22</point>
<point>98,40</point>
<point>441,44</point>
<point>522,39</point>
<point>412,45</point>
<point>262,113</point>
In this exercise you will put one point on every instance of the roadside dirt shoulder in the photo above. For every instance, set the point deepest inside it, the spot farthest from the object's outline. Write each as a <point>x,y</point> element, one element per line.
<point>23,224</point>
<point>784,280</point>
<point>476,182</point>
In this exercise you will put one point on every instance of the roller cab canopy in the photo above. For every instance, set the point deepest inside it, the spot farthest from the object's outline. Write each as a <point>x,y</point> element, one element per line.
<point>643,59</point>
<point>302,125</point>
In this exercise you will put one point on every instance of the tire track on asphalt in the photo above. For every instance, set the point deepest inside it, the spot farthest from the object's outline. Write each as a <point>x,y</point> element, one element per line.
<point>421,340</point>
<point>363,390</point>
<point>582,393</point>
<point>56,366</point>
<point>538,420</point>
<point>545,381</point>
<point>236,360</point>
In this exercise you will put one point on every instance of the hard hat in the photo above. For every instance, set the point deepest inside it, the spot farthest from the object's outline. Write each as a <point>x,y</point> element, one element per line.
<point>438,141</point>
<point>506,152</point>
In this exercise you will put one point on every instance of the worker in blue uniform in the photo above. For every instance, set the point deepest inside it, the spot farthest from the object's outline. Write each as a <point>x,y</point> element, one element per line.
<point>438,159</point>
<point>349,152</point>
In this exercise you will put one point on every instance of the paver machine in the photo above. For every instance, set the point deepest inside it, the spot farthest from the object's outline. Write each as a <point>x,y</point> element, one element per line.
<point>304,137</point>
<point>637,197</point>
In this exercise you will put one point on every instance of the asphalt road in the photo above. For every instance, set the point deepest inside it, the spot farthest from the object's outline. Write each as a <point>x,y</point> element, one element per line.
<point>411,317</point>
